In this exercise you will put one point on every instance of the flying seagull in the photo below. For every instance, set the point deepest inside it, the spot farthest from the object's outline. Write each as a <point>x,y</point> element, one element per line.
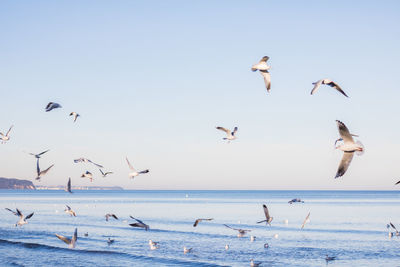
<point>294,200</point>
<point>39,172</point>
<point>306,220</point>
<point>139,224</point>
<point>105,173</point>
<point>5,137</point>
<point>40,154</point>
<point>229,135</point>
<point>349,147</point>
<point>241,232</point>
<point>69,211</point>
<point>394,227</point>
<point>87,161</point>
<point>268,219</point>
<point>76,115</point>
<point>68,189</point>
<point>317,84</point>
<point>134,173</point>
<point>52,105</point>
<point>87,174</point>
<point>71,242</point>
<point>254,264</point>
<point>200,220</point>
<point>108,215</point>
<point>341,139</point>
<point>22,218</point>
<point>263,68</point>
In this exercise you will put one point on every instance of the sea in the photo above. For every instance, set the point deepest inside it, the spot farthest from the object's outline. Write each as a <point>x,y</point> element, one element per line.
<point>348,225</point>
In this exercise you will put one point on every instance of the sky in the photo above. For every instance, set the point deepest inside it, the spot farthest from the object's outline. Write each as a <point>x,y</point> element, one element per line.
<point>152,79</point>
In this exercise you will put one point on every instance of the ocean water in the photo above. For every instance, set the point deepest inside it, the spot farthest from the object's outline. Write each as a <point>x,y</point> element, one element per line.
<point>350,225</point>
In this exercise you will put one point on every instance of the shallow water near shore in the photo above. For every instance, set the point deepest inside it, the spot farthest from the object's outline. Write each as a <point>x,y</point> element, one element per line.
<point>350,225</point>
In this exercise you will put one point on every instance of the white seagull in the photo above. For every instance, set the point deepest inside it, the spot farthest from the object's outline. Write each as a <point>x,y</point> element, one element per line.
<point>134,173</point>
<point>52,105</point>
<point>317,84</point>
<point>76,115</point>
<point>187,250</point>
<point>105,173</point>
<point>348,147</point>
<point>71,242</point>
<point>40,154</point>
<point>68,189</point>
<point>22,218</point>
<point>39,172</point>
<point>87,174</point>
<point>85,160</point>
<point>306,220</point>
<point>263,68</point>
<point>5,137</point>
<point>268,219</point>
<point>69,211</point>
<point>229,135</point>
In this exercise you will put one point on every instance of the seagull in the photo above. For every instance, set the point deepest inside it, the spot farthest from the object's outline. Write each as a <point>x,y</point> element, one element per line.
<point>87,174</point>
<point>317,84</point>
<point>252,238</point>
<point>134,173</point>
<point>68,189</point>
<point>39,172</point>
<point>241,232</point>
<point>87,161</point>
<point>110,241</point>
<point>268,219</point>
<point>22,218</point>
<point>254,264</point>
<point>71,242</point>
<point>266,245</point>
<point>69,211</point>
<point>5,137</point>
<point>294,200</point>
<point>108,215</point>
<point>86,234</point>
<point>52,105</point>
<point>76,115</point>
<point>226,247</point>
<point>139,224</point>
<point>230,135</point>
<point>349,147</point>
<point>153,245</point>
<point>306,220</point>
<point>394,227</point>
<point>38,155</point>
<point>329,258</point>
<point>105,173</point>
<point>200,220</point>
<point>187,250</point>
<point>263,68</point>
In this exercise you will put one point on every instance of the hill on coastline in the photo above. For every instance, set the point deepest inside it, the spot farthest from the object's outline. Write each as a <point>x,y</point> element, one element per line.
<point>12,183</point>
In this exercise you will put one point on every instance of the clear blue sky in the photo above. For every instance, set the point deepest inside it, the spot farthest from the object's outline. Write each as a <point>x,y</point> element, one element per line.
<point>152,79</point>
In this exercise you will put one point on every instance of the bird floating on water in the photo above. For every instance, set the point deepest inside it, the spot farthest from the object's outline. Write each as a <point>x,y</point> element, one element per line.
<point>22,218</point>
<point>329,258</point>
<point>71,242</point>
<point>52,105</point>
<point>317,84</point>
<point>69,211</point>
<point>268,219</point>
<point>348,148</point>
<point>134,173</point>
<point>187,250</point>
<point>153,245</point>
<point>41,173</point>
<point>229,135</point>
<point>5,137</point>
<point>263,68</point>
<point>254,264</point>
<point>76,115</point>
<point>110,241</point>
<point>200,220</point>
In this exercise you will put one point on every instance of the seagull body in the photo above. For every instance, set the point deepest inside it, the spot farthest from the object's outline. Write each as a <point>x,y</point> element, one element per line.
<point>39,172</point>
<point>226,247</point>
<point>87,174</point>
<point>241,232</point>
<point>294,200</point>
<point>87,161</point>
<point>254,264</point>
<point>200,220</point>
<point>52,105</point>
<point>134,173</point>
<point>68,189</point>
<point>71,242</point>
<point>22,218</point>
<point>139,224</point>
<point>108,215</point>
<point>317,84</point>
<point>306,220</point>
<point>5,137</point>
<point>263,68</point>
<point>268,219</point>
<point>330,258</point>
<point>187,250</point>
<point>348,147</point>
<point>105,173</point>
<point>40,154</point>
<point>69,211</point>
<point>229,135</point>
<point>76,115</point>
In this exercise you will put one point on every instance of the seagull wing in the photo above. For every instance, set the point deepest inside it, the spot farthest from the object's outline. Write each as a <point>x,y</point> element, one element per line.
<point>114,216</point>
<point>232,227</point>
<point>69,185</point>
<point>37,167</point>
<point>234,131</point>
<point>337,87</point>
<point>43,152</point>
<point>129,164</point>
<point>394,227</point>
<point>344,132</point>
<point>397,183</point>
<point>305,220</point>
<point>29,216</point>
<point>196,222</point>
<point>9,130</point>
<point>46,170</point>
<point>15,213</point>
<point>267,79</point>
<point>19,213</point>
<point>227,131</point>
<point>98,165</point>
<point>102,173</point>
<point>264,59</point>
<point>63,238</point>
<point>266,212</point>
<point>74,237</point>
<point>145,171</point>
<point>344,163</point>
<point>317,84</point>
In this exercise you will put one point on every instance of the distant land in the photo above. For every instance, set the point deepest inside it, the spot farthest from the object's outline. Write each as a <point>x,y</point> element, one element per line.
<point>12,183</point>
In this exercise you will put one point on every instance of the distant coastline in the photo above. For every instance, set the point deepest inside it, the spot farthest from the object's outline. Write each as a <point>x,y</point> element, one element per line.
<point>61,187</point>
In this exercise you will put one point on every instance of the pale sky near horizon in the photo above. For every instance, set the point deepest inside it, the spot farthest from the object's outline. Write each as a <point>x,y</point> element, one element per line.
<point>152,80</point>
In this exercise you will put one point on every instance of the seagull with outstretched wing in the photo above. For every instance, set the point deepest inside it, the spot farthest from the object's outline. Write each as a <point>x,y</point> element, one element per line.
<point>134,172</point>
<point>52,105</point>
<point>104,174</point>
<point>85,160</point>
<point>317,84</point>
<point>22,218</point>
<point>5,137</point>
<point>41,173</point>
<point>112,215</point>
<point>71,242</point>
<point>268,219</point>
<point>139,224</point>
<point>241,232</point>
<point>200,220</point>
<point>40,154</point>
<point>230,135</point>
<point>263,68</point>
